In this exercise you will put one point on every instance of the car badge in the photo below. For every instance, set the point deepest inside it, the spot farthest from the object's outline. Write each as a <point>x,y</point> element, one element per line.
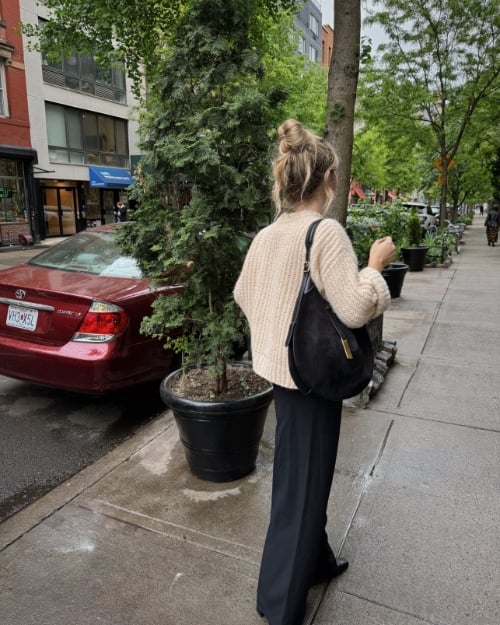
<point>20,294</point>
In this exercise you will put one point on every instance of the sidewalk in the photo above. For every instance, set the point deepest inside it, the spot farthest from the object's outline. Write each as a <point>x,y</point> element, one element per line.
<point>17,247</point>
<point>136,540</point>
<point>11,255</point>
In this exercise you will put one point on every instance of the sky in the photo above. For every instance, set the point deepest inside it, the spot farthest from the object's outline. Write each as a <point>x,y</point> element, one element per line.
<point>375,33</point>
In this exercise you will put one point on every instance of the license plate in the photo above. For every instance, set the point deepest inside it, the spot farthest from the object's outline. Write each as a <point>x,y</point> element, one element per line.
<point>24,318</point>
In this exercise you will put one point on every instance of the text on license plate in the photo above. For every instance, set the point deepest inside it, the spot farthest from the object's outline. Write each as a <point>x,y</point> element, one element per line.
<point>24,318</point>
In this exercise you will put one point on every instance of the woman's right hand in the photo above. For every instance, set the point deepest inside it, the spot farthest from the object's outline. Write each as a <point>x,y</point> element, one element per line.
<point>382,252</point>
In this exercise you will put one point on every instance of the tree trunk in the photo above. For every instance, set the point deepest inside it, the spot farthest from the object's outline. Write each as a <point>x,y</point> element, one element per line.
<point>342,85</point>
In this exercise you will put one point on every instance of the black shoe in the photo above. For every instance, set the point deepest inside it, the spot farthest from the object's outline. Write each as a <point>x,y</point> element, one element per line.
<point>333,571</point>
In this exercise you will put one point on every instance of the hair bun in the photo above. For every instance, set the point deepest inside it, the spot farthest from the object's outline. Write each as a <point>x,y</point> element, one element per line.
<point>293,136</point>
<point>299,168</point>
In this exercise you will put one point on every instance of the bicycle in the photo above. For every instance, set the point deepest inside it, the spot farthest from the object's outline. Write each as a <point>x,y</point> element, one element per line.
<point>457,231</point>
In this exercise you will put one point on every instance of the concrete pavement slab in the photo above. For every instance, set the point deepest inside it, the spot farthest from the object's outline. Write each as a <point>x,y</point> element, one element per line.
<point>409,324</point>
<point>445,460</point>
<point>388,398</point>
<point>86,568</point>
<point>423,540</point>
<point>466,345</point>
<point>455,392</point>
<point>429,284</point>
<point>345,609</point>
<point>424,556</point>
<point>456,308</point>
<point>476,277</point>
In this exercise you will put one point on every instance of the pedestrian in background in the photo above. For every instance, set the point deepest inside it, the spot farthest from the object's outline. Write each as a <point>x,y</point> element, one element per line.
<point>492,223</point>
<point>120,212</point>
<point>297,554</point>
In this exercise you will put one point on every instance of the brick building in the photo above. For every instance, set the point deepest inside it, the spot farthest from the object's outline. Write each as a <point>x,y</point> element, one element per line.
<point>17,158</point>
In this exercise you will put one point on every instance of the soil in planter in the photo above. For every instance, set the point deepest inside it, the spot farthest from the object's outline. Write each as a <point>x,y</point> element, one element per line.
<point>197,385</point>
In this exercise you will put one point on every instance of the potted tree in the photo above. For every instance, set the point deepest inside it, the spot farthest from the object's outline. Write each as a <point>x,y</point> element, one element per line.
<point>414,254</point>
<point>202,190</point>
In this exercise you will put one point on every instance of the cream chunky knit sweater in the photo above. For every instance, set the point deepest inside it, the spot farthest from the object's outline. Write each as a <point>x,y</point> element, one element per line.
<point>270,280</point>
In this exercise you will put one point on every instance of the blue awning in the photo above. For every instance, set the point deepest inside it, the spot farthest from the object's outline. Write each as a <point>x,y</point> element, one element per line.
<point>109,178</point>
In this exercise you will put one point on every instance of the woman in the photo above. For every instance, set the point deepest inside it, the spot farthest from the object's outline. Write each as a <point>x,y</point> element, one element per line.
<point>492,222</point>
<point>296,552</point>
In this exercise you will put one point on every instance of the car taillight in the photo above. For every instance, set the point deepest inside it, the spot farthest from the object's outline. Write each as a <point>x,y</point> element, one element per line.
<point>103,322</point>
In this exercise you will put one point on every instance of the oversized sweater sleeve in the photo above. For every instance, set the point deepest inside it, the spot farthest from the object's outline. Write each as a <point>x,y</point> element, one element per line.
<point>356,296</point>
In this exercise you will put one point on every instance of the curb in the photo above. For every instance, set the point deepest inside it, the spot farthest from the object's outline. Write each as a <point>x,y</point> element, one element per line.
<point>26,519</point>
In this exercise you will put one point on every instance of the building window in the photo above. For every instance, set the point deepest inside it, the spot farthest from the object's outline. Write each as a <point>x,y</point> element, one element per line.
<point>313,54</point>
<point>302,45</point>
<point>4,106</point>
<point>314,25</point>
<point>86,138</point>
<point>81,73</point>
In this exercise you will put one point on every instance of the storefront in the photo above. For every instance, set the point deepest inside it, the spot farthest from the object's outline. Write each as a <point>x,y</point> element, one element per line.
<point>106,187</point>
<point>71,206</point>
<point>18,215</point>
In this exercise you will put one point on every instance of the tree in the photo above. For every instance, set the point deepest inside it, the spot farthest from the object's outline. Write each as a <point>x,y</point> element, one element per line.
<point>341,99</point>
<point>470,180</point>
<point>369,157</point>
<point>377,161</point>
<point>137,34</point>
<point>495,176</point>
<point>440,63</point>
<point>483,145</point>
<point>205,184</point>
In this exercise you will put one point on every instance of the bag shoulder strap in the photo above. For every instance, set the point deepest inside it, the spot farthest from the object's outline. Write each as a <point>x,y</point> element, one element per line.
<point>305,279</point>
<point>309,241</point>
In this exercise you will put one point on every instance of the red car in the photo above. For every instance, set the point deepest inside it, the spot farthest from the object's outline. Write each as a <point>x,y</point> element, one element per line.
<point>70,318</point>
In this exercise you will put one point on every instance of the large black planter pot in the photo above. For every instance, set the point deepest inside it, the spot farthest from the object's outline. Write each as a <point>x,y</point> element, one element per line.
<point>394,274</point>
<point>220,439</point>
<point>415,257</point>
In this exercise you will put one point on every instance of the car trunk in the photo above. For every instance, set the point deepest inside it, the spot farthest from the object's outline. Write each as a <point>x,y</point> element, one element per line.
<point>51,313</point>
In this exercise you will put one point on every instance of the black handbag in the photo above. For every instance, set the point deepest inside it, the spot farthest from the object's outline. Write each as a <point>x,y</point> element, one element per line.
<point>326,358</point>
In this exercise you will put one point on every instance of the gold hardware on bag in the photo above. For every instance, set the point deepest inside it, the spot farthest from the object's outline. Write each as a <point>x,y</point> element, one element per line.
<point>347,349</point>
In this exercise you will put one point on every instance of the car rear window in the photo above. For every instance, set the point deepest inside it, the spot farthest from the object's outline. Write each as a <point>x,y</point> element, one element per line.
<point>94,253</point>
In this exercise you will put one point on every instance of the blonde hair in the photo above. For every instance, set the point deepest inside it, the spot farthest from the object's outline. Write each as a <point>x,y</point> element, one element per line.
<point>300,167</point>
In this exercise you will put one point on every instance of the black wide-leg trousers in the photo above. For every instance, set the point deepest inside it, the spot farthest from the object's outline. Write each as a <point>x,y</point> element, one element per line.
<point>296,550</point>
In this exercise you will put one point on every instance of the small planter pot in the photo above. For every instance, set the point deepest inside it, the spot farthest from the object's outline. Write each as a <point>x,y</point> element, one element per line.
<point>415,257</point>
<point>394,274</point>
<point>220,439</point>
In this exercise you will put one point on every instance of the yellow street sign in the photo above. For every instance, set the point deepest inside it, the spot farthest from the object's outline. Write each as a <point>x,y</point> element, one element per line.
<point>438,163</point>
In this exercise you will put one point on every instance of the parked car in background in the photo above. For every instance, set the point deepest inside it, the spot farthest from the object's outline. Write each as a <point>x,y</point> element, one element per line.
<point>70,317</point>
<point>425,213</point>
<point>436,211</point>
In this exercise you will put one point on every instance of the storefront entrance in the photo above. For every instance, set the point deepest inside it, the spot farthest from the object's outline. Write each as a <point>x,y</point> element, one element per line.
<point>59,205</point>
